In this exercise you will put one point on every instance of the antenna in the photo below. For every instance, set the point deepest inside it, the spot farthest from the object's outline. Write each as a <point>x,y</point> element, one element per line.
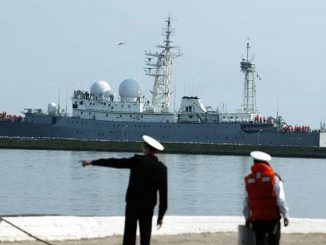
<point>174,97</point>
<point>248,47</point>
<point>277,98</point>
<point>58,109</point>
<point>67,102</point>
<point>249,97</point>
<point>161,71</point>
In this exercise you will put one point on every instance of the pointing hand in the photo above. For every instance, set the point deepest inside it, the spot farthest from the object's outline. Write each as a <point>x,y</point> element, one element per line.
<point>86,162</point>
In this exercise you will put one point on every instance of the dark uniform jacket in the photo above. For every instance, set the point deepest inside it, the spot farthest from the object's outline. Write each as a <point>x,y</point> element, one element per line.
<point>147,177</point>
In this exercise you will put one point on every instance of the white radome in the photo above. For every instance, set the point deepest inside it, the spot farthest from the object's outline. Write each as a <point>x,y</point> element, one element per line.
<point>101,88</point>
<point>52,108</point>
<point>129,90</point>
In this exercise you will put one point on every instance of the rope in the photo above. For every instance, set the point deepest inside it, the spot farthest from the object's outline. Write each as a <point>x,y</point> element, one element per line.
<point>29,234</point>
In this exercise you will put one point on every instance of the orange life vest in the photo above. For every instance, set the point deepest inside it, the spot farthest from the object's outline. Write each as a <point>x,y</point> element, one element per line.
<point>261,195</point>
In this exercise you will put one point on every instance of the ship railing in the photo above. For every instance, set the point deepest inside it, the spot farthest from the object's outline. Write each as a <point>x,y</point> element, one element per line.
<point>4,116</point>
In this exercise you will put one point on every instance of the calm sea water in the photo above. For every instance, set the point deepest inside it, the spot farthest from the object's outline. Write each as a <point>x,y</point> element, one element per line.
<point>53,182</point>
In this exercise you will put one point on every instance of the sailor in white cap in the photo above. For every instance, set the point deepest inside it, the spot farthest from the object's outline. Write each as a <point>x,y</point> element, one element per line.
<point>147,177</point>
<point>264,203</point>
<point>152,143</point>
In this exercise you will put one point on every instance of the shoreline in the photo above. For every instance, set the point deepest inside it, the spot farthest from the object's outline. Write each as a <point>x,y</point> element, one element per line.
<point>174,148</point>
<point>76,228</point>
<point>189,239</point>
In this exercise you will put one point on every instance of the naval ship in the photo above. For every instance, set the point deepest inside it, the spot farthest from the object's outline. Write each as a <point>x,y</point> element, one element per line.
<point>100,115</point>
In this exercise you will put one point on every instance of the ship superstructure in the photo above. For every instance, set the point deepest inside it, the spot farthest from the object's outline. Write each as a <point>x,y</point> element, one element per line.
<point>193,110</point>
<point>101,104</point>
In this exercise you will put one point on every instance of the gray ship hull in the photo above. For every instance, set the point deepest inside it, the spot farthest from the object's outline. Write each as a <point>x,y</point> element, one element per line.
<point>46,126</point>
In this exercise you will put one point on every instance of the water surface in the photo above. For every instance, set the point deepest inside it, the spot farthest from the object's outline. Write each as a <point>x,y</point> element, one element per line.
<point>53,182</point>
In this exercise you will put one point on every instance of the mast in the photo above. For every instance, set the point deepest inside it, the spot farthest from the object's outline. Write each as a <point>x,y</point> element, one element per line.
<point>161,71</point>
<point>249,96</point>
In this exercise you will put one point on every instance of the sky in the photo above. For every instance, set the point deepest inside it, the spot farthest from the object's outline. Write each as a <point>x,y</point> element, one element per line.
<point>49,48</point>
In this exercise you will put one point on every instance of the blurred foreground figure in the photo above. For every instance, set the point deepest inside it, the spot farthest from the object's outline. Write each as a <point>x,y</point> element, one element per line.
<point>147,177</point>
<point>265,202</point>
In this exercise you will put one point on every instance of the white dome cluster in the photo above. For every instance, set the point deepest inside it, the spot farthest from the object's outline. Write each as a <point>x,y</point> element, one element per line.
<point>101,88</point>
<point>129,90</point>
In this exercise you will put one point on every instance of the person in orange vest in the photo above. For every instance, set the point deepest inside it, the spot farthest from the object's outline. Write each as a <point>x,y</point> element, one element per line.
<point>265,203</point>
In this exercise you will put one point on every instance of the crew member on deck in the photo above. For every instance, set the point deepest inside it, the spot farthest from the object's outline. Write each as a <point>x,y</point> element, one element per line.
<point>265,202</point>
<point>147,177</point>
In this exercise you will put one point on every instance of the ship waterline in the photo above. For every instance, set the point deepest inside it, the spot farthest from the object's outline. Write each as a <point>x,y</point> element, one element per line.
<point>231,133</point>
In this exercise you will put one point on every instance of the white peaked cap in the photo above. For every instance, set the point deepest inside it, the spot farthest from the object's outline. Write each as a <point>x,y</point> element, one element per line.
<point>153,143</point>
<point>259,155</point>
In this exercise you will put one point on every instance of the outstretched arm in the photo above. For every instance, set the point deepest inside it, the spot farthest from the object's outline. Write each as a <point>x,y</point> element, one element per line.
<point>110,162</point>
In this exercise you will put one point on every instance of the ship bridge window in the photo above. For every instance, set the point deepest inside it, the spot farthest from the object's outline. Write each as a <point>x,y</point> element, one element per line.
<point>80,102</point>
<point>189,108</point>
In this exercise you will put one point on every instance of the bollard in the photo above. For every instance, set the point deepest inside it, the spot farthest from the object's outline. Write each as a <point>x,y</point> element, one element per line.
<point>246,236</point>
